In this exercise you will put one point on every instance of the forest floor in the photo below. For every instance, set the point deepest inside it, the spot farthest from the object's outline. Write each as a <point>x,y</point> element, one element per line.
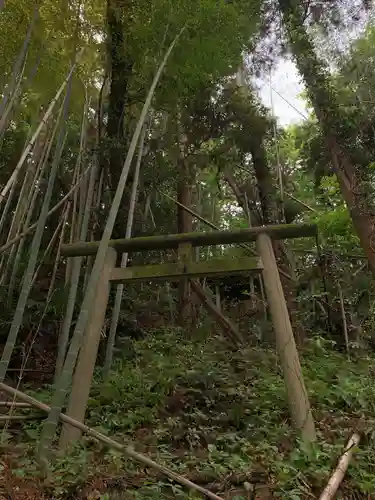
<point>219,419</point>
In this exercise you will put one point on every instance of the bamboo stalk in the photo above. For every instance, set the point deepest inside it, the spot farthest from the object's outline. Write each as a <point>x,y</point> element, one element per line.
<point>124,262</point>
<point>40,127</point>
<point>14,228</point>
<point>344,322</point>
<point>6,418</point>
<point>16,251</point>
<point>127,450</point>
<point>340,471</point>
<point>229,329</point>
<point>20,61</point>
<point>8,203</point>
<point>58,398</point>
<point>36,370</point>
<point>248,215</point>
<point>5,117</point>
<point>301,202</point>
<point>74,278</point>
<point>190,211</point>
<point>15,254</point>
<point>97,197</point>
<point>77,215</point>
<point>47,251</point>
<point>57,259</point>
<point>35,246</point>
<point>14,404</point>
<point>31,228</point>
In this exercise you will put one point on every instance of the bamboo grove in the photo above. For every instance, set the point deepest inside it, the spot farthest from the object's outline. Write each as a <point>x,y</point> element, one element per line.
<point>121,120</point>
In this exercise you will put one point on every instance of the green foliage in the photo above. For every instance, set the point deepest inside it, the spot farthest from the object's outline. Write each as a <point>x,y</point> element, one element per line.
<point>53,42</point>
<point>189,403</point>
<point>208,51</point>
<point>204,413</point>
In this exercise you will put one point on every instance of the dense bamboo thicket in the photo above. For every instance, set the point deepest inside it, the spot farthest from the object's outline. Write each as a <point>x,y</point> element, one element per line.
<point>121,120</point>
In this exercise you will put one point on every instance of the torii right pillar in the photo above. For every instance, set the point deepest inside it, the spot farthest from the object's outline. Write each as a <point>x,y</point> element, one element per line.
<point>298,400</point>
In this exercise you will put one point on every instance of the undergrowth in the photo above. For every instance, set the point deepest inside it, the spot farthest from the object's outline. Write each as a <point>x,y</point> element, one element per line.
<point>219,419</point>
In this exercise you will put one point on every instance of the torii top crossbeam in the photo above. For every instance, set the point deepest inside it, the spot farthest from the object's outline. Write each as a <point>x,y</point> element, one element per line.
<point>159,242</point>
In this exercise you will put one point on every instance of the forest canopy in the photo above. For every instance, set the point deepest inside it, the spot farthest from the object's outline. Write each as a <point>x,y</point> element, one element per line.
<point>180,268</point>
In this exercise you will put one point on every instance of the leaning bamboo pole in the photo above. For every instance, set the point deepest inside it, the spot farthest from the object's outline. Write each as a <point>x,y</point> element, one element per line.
<point>4,214</point>
<point>230,331</point>
<point>6,116</point>
<point>18,418</point>
<point>124,263</point>
<point>14,404</point>
<point>97,199</point>
<point>26,204</point>
<point>58,398</point>
<point>9,204</point>
<point>77,216</point>
<point>127,450</point>
<point>74,280</point>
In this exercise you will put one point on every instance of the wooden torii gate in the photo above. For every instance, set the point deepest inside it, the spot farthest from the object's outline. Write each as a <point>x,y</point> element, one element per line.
<point>185,268</point>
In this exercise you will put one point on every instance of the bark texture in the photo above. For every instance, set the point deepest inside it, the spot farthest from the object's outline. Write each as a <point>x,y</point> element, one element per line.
<point>121,67</point>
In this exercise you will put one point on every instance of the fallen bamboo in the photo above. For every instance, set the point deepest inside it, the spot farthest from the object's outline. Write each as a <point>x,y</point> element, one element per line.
<point>339,473</point>
<point>229,329</point>
<point>6,418</point>
<point>14,404</point>
<point>128,450</point>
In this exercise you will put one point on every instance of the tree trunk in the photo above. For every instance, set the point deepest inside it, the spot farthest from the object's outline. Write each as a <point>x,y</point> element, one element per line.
<point>268,196</point>
<point>269,215</point>
<point>362,217</point>
<point>327,110</point>
<point>121,71</point>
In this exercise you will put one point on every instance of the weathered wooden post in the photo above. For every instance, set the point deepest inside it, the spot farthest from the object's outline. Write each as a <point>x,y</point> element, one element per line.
<point>286,347</point>
<point>88,353</point>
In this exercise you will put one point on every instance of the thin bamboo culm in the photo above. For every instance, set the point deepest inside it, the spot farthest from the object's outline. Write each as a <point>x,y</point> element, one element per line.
<point>124,262</point>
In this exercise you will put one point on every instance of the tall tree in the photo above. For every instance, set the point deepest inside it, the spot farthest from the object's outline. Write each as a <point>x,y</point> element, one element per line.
<point>121,66</point>
<point>348,163</point>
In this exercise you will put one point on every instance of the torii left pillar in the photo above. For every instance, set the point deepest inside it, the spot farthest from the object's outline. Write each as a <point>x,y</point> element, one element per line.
<point>87,356</point>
